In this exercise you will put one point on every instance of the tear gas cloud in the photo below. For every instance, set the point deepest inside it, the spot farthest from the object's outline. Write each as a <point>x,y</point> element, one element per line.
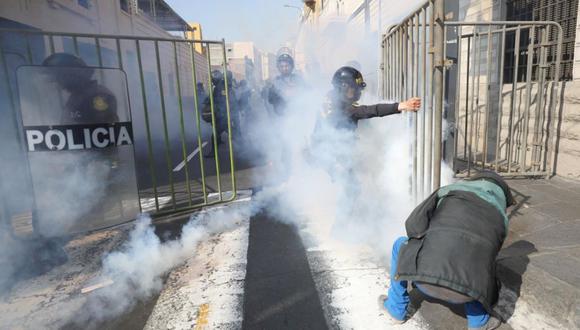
<point>354,188</point>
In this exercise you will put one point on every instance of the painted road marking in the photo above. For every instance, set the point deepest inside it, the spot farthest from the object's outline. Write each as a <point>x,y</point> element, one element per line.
<point>202,314</point>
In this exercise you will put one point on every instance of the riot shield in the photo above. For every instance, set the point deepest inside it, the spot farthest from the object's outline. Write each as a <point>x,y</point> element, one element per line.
<point>78,134</point>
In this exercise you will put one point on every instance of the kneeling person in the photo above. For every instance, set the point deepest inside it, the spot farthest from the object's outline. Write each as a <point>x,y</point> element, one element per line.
<point>453,240</point>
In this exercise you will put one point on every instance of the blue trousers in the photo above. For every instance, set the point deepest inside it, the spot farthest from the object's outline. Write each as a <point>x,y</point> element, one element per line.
<point>398,299</point>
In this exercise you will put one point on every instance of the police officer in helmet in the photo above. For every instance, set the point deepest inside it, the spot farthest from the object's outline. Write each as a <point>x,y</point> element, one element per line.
<point>342,109</point>
<point>89,102</point>
<point>334,135</point>
<point>285,86</point>
<point>220,104</point>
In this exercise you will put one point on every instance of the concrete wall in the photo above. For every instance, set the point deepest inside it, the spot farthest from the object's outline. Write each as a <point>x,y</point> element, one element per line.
<point>568,157</point>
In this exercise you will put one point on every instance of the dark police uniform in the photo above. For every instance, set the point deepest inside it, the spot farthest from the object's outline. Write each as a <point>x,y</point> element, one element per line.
<point>283,89</point>
<point>346,115</point>
<point>220,110</point>
<point>91,104</point>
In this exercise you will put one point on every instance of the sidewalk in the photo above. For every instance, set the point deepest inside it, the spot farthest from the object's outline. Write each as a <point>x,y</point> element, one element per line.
<point>540,263</point>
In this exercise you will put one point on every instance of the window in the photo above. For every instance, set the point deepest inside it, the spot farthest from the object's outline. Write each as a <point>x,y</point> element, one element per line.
<point>124,5</point>
<point>561,11</point>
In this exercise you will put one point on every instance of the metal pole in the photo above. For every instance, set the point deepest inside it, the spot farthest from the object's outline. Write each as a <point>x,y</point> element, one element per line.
<point>476,51</point>
<point>467,96</point>
<point>76,45</point>
<point>182,124</point>
<point>528,99</point>
<point>459,40</point>
<point>439,13</point>
<point>423,112</point>
<point>197,121</point>
<point>429,123</point>
<point>147,126</point>
<point>555,93</point>
<point>232,165</point>
<point>539,126</point>
<point>98,50</point>
<point>488,97</point>
<point>477,114</point>
<point>165,130</point>
<point>119,53</point>
<point>510,146</point>
<point>501,48</point>
<point>213,123</point>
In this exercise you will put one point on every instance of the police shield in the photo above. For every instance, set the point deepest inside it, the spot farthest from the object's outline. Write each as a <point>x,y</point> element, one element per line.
<point>78,135</point>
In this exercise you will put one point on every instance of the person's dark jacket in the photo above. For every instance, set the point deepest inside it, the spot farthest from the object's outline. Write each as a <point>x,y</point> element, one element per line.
<point>346,115</point>
<point>454,239</point>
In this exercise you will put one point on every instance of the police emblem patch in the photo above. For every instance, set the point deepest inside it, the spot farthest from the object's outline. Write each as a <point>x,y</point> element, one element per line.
<point>100,104</point>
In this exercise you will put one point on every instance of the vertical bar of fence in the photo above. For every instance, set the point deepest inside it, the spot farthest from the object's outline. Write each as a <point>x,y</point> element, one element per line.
<point>477,113</point>
<point>400,63</point>
<point>51,43</point>
<point>439,13</point>
<point>510,147</point>
<point>76,46</point>
<point>213,123</point>
<point>147,125</point>
<point>228,112</point>
<point>182,124</point>
<point>197,121</point>
<point>459,45</point>
<point>501,49</point>
<point>429,121</point>
<point>476,51</point>
<point>405,61</point>
<point>424,99</point>
<point>413,117</point>
<point>28,49</point>
<point>465,155</point>
<point>165,129</point>
<point>556,116</point>
<point>119,53</point>
<point>529,72</point>
<point>539,124</point>
<point>417,49</point>
<point>98,50</point>
<point>488,96</point>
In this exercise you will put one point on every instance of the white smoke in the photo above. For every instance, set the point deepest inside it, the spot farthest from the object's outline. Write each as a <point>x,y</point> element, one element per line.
<point>138,268</point>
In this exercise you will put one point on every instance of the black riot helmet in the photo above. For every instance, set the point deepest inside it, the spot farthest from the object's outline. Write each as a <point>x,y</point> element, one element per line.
<point>72,72</point>
<point>217,76</point>
<point>348,82</point>
<point>285,64</point>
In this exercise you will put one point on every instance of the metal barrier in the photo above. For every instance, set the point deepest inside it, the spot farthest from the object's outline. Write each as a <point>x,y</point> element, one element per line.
<point>166,108</point>
<point>412,64</point>
<point>497,116</point>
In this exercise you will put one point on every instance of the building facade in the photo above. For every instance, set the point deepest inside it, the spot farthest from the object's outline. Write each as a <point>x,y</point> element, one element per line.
<point>357,21</point>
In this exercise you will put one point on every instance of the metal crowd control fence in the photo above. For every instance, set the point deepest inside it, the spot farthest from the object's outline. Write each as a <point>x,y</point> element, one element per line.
<point>165,78</point>
<point>412,65</point>
<point>495,84</point>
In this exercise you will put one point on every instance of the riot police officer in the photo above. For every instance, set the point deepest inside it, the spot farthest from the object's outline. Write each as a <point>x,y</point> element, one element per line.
<point>220,103</point>
<point>334,136</point>
<point>342,109</point>
<point>89,102</point>
<point>285,86</point>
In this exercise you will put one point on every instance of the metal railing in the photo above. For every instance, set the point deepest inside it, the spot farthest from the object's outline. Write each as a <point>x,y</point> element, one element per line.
<point>472,117</point>
<point>412,64</point>
<point>162,75</point>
